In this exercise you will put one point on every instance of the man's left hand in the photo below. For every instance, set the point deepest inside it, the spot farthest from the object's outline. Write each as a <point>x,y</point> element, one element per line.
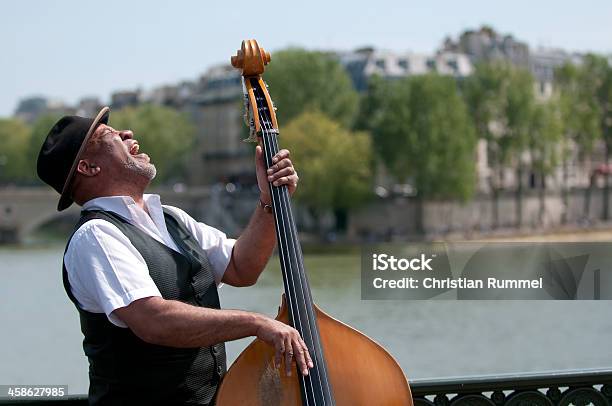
<point>280,173</point>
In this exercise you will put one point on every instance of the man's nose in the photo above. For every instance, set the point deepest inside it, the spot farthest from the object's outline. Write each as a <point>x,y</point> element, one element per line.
<point>127,135</point>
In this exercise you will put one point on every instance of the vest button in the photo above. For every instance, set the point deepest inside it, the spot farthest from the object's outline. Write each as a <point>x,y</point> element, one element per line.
<point>215,350</point>
<point>219,370</point>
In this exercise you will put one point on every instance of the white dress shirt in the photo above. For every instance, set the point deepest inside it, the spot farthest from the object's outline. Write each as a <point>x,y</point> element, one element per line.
<point>105,270</point>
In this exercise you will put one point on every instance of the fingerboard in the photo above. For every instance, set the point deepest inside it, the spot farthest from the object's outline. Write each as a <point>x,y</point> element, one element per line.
<point>315,387</point>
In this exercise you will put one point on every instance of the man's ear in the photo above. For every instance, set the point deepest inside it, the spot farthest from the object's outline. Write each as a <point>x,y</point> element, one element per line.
<point>87,168</point>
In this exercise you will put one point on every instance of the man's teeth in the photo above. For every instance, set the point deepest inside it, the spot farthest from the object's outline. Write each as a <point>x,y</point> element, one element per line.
<point>134,149</point>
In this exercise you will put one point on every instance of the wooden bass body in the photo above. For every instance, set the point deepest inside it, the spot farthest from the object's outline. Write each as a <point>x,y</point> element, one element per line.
<point>361,371</point>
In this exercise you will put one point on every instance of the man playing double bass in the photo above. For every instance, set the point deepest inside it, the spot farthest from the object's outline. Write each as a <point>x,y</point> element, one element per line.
<point>144,276</point>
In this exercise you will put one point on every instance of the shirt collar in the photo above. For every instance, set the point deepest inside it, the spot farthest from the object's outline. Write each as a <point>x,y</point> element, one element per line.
<point>153,222</point>
<point>122,205</point>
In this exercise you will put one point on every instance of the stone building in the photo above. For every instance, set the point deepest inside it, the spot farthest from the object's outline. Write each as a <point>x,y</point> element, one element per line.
<point>485,44</point>
<point>175,96</point>
<point>364,63</point>
<point>125,98</point>
<point>542,64</point>
<point>88,106</point>
<point>217,111</point>
<point>30,109</point>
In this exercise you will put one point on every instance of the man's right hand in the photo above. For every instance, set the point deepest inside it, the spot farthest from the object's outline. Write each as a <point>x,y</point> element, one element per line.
<point>286,341</point>
<point>177,324</point>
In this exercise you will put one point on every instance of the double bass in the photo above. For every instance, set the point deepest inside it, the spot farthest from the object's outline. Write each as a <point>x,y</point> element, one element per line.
<point>349,368</point>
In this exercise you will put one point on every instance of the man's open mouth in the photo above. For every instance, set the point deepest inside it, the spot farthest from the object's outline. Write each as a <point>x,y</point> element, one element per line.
<point>134,149</point>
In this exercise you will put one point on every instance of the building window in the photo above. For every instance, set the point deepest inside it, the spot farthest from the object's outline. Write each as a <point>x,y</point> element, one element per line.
<point>403,63</point>
<point>380,63</point>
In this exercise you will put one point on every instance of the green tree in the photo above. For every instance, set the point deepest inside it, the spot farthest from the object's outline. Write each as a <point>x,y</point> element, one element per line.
<point>600,73</point>
<point>422,132</point>
<point>165,134</point>
<point>303,80</point>
<point>580,115</point>
<point>14,143</point>
<point>373,103</point>
<point>544,144</point>
<point>334,165</point>
<point>441,142</point>
<point>501,99</point>
<point>386,113</point>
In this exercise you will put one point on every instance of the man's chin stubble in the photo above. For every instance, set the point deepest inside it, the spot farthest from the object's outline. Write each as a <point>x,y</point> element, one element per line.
<point>146,170</point>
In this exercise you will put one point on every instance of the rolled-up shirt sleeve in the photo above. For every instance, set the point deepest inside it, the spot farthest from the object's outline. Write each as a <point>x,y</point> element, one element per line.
<point>105,270</point>
<point>214,242</point>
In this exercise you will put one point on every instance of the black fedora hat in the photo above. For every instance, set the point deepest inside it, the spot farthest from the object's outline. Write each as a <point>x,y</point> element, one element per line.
<point>62,150</point>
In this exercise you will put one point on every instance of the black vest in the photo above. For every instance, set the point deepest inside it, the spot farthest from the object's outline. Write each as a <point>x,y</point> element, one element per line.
<point>125,370</point>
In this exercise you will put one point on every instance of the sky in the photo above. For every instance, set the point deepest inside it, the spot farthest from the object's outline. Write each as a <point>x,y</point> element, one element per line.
<point>69,49</point>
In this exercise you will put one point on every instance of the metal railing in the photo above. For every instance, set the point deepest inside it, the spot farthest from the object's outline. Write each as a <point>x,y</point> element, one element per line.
<point>554,388</point>
<point>564,388</point>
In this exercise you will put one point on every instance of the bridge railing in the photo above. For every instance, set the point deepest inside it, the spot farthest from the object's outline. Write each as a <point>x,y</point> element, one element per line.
<point>563,388</point>
<point>560,388</point>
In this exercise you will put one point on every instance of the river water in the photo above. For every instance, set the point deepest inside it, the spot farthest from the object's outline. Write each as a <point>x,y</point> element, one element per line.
<point>41,340</point>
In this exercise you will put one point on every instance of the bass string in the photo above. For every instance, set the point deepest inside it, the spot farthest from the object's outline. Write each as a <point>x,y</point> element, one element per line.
<point>292,288</point>
<point>311,318</point>
<point>304,282</point>
<point>286,223</point>
<point>294,293</point>
<point>284,198</point>
<point>280,199</point>
<point>309,330</point>
<point>284,254</point>
<point>298,249</point>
